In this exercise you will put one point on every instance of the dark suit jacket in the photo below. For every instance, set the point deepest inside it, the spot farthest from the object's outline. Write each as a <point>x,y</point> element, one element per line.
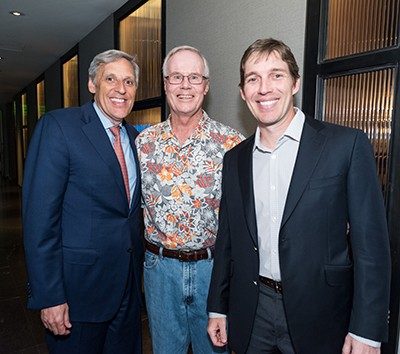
<point>79,232</point>
<point>332,282</point>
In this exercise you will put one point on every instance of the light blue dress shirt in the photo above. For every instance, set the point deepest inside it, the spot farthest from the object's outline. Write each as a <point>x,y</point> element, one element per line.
<point>126,147</point>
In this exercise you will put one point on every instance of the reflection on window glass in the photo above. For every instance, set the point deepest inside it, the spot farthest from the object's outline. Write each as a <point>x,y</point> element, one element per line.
<point>70,82</point>
<point>24,112</point>
<point>41,109</point>
<point>24,109</point>
<point>145,117</point>
<point>355,26</point>
<point>140,35</point>
<point>364,101</point>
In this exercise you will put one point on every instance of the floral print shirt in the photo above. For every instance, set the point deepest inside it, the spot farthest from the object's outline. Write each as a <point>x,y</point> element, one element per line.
<point>181,184</point>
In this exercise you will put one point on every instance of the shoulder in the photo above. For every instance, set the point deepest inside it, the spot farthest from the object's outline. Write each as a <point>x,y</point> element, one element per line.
<point>152,133</point>
<point>223,133</point>
<point>244,148</point>
<point>335,131</point>
<point>223,128</point>
<point>67,116</point>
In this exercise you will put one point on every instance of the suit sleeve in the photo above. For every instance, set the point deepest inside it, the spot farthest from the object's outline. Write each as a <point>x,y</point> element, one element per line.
<point>219,287</point>
<point>370,245</point>
<point>44,185</point>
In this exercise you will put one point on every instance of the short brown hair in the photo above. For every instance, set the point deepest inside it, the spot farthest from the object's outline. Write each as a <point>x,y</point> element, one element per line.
<point>265,47</point>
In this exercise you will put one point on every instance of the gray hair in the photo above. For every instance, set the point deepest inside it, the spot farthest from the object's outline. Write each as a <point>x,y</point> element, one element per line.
<point>175,50</point>
<point>110,56</point>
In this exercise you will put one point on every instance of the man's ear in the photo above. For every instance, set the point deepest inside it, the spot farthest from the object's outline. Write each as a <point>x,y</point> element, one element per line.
<point>242,94</point>
<point>207,88</point>
<point>296,86</point>
<point>91,86</point>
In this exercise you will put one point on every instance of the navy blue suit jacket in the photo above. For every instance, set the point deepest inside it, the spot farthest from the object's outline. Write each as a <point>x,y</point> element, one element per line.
<point>79,233</point>
<point>334,282</point>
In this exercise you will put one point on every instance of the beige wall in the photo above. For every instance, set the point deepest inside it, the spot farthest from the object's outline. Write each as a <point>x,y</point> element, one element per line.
<point>222,30</point>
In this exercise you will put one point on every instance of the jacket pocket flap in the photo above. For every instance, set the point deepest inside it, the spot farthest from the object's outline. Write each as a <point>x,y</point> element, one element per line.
<point>338,275</point>
<point>80,256</point>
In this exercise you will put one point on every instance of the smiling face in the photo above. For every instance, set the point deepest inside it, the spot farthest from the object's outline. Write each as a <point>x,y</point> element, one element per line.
<point>268,90</point>
<point>114,89</point>
<point>185,100</point>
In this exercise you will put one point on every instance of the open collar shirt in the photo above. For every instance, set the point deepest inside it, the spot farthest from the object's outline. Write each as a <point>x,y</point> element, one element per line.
<point>272,172</point>
<point>181,183</point>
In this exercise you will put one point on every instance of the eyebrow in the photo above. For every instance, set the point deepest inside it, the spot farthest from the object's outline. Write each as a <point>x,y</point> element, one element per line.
<point>273,70</point>
<point>124,78</point>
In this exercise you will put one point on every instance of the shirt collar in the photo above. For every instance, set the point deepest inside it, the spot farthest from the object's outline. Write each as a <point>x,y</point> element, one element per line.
<point>103,118</point>
<point>293,131</point>
<point>201,127</point>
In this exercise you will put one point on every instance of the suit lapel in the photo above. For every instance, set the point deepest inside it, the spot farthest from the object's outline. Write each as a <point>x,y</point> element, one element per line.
<point>95,132</point>
<point>245,170</point>
<point>310,149</point>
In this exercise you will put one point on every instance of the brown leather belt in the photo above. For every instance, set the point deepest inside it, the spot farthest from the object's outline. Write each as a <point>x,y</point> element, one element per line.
<point>184,256</point>
<point>273,284</point>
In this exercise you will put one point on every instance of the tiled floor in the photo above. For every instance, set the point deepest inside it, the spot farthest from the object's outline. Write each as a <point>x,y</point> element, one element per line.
<point>21,330</point>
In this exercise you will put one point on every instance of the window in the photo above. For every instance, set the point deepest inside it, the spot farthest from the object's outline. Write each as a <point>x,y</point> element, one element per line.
<point>24,127</point>
<point>358,26</point>
<point>140,34</point>
<point>70,82</point>
<point>40,103</point>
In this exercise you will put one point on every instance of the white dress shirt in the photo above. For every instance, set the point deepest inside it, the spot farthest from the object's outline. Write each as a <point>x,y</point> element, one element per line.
<point>272,172</point>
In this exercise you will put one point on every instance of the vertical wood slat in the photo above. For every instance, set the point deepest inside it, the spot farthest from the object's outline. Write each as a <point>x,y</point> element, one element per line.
<point>364,101</point>
<point>356,26</point>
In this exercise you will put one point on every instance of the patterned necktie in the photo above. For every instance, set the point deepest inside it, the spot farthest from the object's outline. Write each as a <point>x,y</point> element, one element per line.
<point>116,131</point>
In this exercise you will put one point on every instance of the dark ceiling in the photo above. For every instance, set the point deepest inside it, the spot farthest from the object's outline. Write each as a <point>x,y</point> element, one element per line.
<point>31,43</point>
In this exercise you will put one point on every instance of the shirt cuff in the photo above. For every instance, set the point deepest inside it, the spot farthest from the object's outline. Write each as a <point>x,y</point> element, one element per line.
<point>216,315</point>
<point>369,342</point>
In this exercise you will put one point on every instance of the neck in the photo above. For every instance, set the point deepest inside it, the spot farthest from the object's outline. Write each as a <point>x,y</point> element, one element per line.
<point>269,134</point>
<point>184,126</point>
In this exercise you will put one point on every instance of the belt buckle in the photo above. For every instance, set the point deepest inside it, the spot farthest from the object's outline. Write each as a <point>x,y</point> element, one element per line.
<point>278,288</point>
<point>180,255</point>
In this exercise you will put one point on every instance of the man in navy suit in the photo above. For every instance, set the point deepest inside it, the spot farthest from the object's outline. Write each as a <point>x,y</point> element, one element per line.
<point>82,218</point>
<point>302,259</point>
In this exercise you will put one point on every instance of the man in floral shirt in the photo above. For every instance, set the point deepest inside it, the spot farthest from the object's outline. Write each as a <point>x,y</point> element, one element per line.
<point>181,166</point>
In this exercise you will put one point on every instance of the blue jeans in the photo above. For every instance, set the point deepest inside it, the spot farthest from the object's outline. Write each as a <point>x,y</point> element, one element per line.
<point>176,295</point>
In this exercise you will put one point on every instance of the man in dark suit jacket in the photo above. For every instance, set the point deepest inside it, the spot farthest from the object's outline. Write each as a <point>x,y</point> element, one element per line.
<point>82,218</point>
<point>302,259</point>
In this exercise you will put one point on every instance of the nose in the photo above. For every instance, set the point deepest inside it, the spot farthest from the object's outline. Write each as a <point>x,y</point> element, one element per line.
<point>120,87</point>
<point>265,86</point>
<point>185,82</point>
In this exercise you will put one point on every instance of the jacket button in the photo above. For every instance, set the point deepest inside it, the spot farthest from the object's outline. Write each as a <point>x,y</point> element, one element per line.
<point>129,250</point>
<point>255,283</point>
<point>255,248</point>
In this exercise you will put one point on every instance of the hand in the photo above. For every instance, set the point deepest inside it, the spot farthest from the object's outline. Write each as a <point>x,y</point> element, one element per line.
<point>353,346</point>
<point>56,319</point>
<point>217,331</point>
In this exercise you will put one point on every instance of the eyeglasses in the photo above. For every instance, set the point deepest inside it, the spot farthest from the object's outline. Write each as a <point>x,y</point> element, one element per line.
<point>194,79</point>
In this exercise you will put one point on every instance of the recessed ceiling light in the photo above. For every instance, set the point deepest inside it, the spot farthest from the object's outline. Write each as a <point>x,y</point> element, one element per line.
<point>17,13</point>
